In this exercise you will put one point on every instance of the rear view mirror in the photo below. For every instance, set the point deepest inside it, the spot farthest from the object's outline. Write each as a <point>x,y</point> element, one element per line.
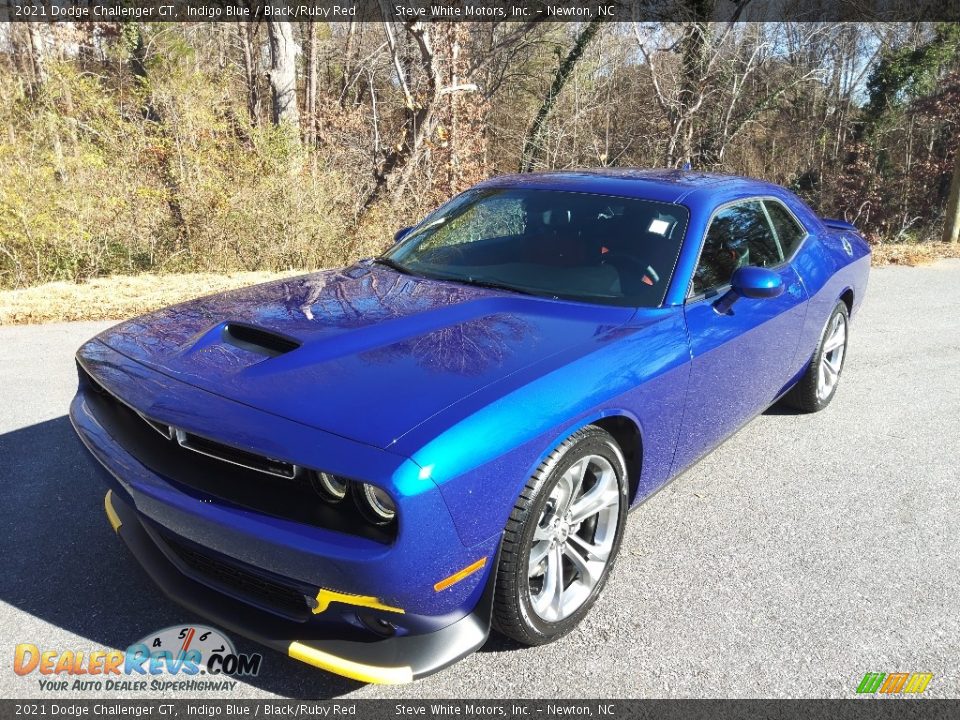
<point>750,282</point>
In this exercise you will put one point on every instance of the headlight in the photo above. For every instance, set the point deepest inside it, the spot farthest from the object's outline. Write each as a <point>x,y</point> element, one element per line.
<point>330,487</point>
<point>376,504</point>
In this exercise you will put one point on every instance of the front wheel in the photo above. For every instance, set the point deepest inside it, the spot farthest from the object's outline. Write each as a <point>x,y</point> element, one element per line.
<point>561,539</point>
<point>819,383</point>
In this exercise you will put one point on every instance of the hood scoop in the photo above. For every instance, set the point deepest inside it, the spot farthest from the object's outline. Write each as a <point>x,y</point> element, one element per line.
<point>257,340</point>
<point>231,347</point>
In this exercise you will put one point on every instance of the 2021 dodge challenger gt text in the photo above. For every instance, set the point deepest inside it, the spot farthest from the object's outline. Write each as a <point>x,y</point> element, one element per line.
<point>366,468</point>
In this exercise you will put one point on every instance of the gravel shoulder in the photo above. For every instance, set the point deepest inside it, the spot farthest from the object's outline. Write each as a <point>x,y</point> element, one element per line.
<point>117,297</point>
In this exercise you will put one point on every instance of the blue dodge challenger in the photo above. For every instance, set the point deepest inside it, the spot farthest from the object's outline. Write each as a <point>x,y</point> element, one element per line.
<point>366,468</point>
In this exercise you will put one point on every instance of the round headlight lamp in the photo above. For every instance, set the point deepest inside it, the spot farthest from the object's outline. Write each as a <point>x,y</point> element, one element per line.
<point>376,504</point>
<point>331,488</point>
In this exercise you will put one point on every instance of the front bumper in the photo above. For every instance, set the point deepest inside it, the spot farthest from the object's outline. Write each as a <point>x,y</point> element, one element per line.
<point>354,580</point>
<point>392,660</point>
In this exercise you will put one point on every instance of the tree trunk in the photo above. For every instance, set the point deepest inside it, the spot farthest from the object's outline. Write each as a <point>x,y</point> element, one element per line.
<point>37,55</point>
<point>398,165</point>
<point>246,30</point>
<point>283,71</point>
<point>951,223</point>
<point>347,62</point>
<point>168,171</point>
<point>310,106</point>
<point>533,143</point>
<point>693,54</point>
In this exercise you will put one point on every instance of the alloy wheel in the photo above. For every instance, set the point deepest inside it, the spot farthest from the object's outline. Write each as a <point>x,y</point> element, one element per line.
<point>831,359</point>
<point>574,538</point>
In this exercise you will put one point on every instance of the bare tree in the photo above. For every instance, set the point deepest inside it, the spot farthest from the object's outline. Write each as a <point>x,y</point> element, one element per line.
<point>246,31</point>
<point>37,55</point>
<point>951,225</point>
<point>533,143</point>
<point>420,109</point>
<point>680,91</point>
<point>283,70</point>
<point>459,153</point>
<point>310,104</point>
<point>349,57</point>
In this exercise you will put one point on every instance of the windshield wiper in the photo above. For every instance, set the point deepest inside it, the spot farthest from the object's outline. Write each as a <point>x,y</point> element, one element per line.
<point>394,265</point>
<point>477,282</point>
<point>495,285</point>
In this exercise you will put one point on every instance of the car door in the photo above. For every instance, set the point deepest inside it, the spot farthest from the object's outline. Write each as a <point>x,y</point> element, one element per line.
<point>740,360</point>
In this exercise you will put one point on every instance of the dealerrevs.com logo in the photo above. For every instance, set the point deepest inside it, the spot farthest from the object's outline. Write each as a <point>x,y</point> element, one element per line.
<point>179,658</point>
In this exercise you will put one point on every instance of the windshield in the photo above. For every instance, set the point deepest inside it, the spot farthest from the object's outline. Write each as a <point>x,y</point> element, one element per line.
<point>595,248</point>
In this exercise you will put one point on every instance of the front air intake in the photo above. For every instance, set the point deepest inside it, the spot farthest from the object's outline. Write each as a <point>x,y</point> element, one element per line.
<point>258,340</point>
<point>273,594</point>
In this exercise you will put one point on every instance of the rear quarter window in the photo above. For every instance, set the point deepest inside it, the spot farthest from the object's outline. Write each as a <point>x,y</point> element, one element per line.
<point>789,232</point>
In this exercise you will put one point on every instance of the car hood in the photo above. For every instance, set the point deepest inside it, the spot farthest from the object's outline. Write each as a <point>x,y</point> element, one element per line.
<point>365,352</point>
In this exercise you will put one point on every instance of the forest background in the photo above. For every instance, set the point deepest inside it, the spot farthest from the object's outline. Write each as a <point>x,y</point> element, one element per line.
<point>172,148</point>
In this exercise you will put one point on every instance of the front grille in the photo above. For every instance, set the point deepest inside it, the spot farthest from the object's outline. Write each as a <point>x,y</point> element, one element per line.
<point>209,470</point>
<point>212,448</point>
<point>232,455</point>
<point>263,591</point>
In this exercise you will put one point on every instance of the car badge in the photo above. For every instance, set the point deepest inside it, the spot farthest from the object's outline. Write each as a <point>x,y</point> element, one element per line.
<point>847,247</point>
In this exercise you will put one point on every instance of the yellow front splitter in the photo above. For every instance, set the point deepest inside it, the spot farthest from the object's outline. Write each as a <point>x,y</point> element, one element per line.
<point>348,668</point>
<point>427,653</point>
<point>111,513</point>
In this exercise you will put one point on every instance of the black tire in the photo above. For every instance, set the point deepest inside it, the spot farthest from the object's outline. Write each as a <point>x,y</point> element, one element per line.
<point>513,613</point>
<point>804,396</point>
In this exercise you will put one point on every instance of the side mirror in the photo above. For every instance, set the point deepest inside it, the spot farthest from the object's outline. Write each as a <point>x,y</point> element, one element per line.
<point>401,234</point>
<point>750,282</point>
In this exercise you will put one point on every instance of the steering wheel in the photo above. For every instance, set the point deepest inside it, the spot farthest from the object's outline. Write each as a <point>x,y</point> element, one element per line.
<point>631,270</point>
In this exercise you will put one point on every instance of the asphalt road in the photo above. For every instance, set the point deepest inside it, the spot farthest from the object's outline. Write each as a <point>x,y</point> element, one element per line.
<point>804,552</point>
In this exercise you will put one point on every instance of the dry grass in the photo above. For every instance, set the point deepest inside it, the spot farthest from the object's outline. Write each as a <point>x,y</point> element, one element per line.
<point>123,296</point>
<point>117,297</point>
<point>913,254</point>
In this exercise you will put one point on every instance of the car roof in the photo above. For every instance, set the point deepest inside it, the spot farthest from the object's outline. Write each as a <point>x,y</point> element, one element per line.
<point>664,185</point>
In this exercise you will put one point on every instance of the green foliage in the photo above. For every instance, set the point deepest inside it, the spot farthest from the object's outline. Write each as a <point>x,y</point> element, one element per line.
<point>907,73</point>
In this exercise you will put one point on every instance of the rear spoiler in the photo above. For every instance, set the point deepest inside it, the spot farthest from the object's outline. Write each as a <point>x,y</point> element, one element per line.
<point>839,224</point>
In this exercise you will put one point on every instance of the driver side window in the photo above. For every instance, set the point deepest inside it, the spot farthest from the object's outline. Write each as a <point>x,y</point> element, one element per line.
<point>738,235</point>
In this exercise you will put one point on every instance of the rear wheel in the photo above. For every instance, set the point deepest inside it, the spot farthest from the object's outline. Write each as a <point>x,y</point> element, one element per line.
<point>819,383</point>
<point>561,539</point>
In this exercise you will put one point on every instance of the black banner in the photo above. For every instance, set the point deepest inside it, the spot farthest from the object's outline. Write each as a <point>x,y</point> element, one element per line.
<point>890,709</point>
<point>477,10</point>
